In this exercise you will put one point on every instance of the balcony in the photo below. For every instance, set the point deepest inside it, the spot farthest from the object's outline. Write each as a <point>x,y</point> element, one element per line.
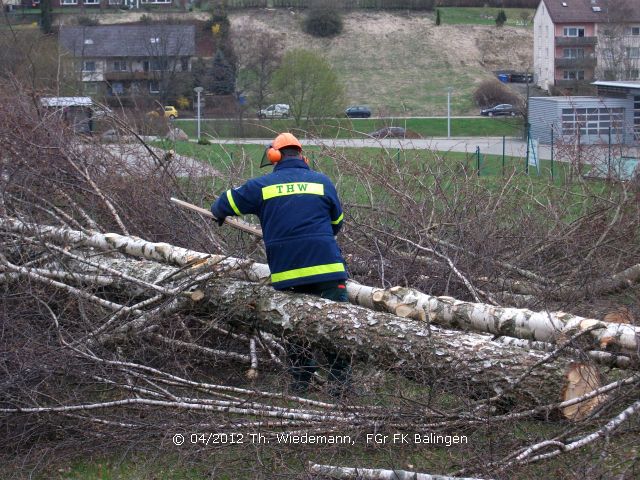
<point>576,41</point>
<point>585,62</point>
<point>127,75</point>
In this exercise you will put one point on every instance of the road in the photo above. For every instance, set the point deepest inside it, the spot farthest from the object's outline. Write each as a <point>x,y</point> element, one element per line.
<point>488,145</point>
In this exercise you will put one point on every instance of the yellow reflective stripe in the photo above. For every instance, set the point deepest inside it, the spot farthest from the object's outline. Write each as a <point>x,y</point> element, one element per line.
<point>232,203</point>
<point>335,222</point>
<point>282,189</point>
<point>307,272</point>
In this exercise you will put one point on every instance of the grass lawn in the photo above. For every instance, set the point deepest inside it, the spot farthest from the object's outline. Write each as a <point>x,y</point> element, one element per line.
<point>486,16</point>
<point>420,169</point>
<point>356,128</point>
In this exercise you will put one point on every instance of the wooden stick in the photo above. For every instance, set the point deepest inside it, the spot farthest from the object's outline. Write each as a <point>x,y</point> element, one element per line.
<point>234,222</point>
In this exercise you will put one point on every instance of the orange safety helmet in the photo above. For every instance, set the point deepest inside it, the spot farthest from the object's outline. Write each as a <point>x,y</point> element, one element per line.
<point>272,153</point>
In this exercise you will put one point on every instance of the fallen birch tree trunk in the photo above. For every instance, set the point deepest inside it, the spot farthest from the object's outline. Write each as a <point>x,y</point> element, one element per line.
<point>375,473</point>
<point>522,323</point>
<point>462,359</point>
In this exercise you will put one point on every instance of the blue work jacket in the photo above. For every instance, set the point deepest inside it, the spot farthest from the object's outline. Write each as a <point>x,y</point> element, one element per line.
<point>300,213</point>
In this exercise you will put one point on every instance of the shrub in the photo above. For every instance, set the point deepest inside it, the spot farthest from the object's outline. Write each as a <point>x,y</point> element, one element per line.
<point>491,92</point>
<point>204,141</point>
<point>438,17</point>
<point>501,18</point>
<point>88,21</point>
<point>323,21</point>
<point>183,103</point>
<point>146,19</point>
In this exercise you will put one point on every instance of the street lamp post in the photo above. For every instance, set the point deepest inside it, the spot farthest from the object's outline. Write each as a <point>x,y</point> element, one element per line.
<point>449,90</point>
<point>198,90</point>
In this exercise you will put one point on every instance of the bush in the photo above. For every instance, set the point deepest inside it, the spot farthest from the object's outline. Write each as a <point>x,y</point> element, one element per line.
<point>501,18</point>
<point>88,21</point>
<point>491,92</point>
<point>323,21</point>
<point>183,103</point>
<point>204,141</point>
<point>146,19</point>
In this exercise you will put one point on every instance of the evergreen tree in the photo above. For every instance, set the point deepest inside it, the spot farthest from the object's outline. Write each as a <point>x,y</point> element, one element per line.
<point>46,16</point>
<point>223,81</point>
<point>501,18</point>
<point>438,16</point>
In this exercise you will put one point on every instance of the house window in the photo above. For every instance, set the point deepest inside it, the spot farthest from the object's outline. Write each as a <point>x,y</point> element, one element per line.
<point>573,74</point>
<point>119,66</point>
<point>573,53</point>
<point>69,2</point>
<point>156,1</point>
<point>117,88</point>
<point>634,31</point>
<point>633,52</point>
<point>574,31</point>
<point>633,74</point>
<point>159,64</point>
<point>88,66</point>
<point>154,39</point>
<point>154,86</point>
<point>592,121</point>
<point>184,64</point>
<point>91,2</point>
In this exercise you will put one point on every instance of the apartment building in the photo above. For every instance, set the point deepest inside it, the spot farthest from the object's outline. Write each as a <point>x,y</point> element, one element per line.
<point>130,60</point>
<point>578,41</point>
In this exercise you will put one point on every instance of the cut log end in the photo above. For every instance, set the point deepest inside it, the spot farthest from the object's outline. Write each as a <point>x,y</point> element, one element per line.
<point>251,374</point>
<point>581,379</point>
<point>377,296</point>
<point>197,295</point>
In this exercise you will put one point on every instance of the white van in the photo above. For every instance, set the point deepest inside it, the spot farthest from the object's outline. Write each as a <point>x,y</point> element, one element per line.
<point>277,110</point>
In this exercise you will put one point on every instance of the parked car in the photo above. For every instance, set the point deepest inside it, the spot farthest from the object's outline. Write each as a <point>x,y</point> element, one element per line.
<point>358,111</point>
<point>502,109</point>
<point>389,132</point>
<point>277,110</point>
<point>521,77</point>
<point>168,111</point>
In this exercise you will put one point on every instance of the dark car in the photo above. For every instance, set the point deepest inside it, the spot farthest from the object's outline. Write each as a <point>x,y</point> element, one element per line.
<point>358,111</point>
<point>389,132</point>
<point>502,109</point>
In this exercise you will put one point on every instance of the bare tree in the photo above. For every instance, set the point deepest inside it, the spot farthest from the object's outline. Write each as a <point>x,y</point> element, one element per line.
<point>618,44</point>
<point>260,54</point>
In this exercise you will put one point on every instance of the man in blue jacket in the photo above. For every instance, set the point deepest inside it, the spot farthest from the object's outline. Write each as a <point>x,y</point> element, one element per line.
<point>300,214</point>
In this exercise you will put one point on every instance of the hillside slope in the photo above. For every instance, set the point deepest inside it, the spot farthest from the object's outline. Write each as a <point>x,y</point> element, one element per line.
<point>400,63</point>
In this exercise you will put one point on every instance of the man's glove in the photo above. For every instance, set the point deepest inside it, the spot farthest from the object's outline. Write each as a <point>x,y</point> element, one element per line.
<point>220,221</point>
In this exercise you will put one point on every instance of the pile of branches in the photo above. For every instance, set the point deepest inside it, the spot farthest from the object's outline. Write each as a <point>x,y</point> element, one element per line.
<point>127,321</point>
